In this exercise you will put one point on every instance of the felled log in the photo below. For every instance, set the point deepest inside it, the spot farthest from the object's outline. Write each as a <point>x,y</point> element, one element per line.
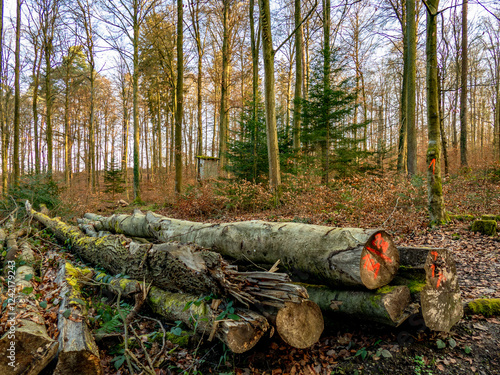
<point>26,345</point>
<point>390,305</point>
<point>414,257</point>
<point>78,352</point>
<point>336,256</point>
<point>188,268</point>
<point>239,335</point>
<point>440,298</point>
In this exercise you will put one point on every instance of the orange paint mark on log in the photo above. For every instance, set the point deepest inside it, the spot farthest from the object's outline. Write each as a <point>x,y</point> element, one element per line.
<point>433,267</point>
<point>434,254</point>
<point>371,264</point>
<point>380,243</point>
<point>376,252</point>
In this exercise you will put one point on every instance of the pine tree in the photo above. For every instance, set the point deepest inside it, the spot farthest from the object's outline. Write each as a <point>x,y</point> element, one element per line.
<point>114,180</point>
<point>326,120</point>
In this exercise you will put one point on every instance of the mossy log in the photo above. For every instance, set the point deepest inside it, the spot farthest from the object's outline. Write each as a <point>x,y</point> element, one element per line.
<point>78,352</point>
<point>487,227</point>
<point>26,347</point>
<point>440,298</point>
<point>487,307</point>
<point>336,256</point>
<point>239,335</point>
<point>390,305</point>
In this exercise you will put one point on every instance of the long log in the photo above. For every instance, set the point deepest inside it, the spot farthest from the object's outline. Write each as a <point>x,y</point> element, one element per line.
<point>26,346</point>
<point>440,298</point>
<point>336,256</point>
<point>388,305</point>
<point>188,268</point>
<point>78,352</point>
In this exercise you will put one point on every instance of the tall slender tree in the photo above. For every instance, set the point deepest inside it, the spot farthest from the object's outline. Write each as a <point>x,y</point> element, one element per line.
<point>299,74</point>
<point>180,98</point>
<point>17,96</point>
<point>437,211</point>
<point>463,90</point>
<point>410,80</point>
<point>224,107</point>
<point>269,94</point>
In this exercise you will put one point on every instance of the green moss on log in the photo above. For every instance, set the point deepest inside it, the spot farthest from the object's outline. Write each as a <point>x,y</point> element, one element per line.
<point>488,227</point>
<point>462,217</point>
<point>484,306</point>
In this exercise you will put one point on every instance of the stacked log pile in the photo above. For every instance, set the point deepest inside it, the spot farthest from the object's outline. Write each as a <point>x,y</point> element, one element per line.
<point>206,276</point>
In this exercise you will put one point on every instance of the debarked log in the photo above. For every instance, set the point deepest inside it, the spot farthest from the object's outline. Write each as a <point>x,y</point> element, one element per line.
<point>78,352</point>
<point>26,345</point>
<point>336,256</point>
<point>390,305</point>
<point>440,298</point>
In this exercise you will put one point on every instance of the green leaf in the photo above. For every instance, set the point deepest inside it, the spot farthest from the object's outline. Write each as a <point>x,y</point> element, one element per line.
<point>67,313</point>
<point>386,354</point>
<point>80,301</point>
<point>233,316</point>
<point>440,344</point>
<point>27,290</point>
<point>119,361</point>
<point>28,277</point>
<point>187,306</point>
<point>176,331</point>
<point>43,304</point>
<point>467,350</point>
<point>452,343</point>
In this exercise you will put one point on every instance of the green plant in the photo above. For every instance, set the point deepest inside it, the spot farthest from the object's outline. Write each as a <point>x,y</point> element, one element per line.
<point>114,178</point>
<point>421,367</point>
<point>38,189</point>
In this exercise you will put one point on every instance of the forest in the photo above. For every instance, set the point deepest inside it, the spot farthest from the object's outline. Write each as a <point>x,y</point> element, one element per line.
<point>250,186</point>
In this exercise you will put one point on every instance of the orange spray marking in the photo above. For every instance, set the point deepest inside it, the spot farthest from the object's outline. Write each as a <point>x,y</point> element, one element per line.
<point>441,276</point>
<point>434,254</point>
<point>371,265</point>
<point>433,163</point>
<point>376,252</point>
<point>380,243</point>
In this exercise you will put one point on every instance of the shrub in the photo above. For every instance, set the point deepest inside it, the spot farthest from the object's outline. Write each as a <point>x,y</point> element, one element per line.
<point>36,188</point>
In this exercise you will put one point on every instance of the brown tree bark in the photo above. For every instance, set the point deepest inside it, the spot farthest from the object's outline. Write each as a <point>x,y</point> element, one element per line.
<point>337,256</point>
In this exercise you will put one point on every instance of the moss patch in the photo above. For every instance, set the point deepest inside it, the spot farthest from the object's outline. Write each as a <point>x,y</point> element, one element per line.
<point>462,217</point>
<point>490,217</point>
<point>485,306</point>
<point>488,227</point>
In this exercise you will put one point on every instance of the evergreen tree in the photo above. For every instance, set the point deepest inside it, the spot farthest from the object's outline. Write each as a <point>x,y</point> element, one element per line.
<point>114,180</point>
<point>326,120</point>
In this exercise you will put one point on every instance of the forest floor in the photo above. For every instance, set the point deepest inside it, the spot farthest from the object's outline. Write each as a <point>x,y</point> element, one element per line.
<point>346,347</point>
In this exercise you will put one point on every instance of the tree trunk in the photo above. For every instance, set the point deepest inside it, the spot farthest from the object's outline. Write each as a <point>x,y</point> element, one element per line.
<point>337,256</point>
<point>299,74</point>
<point>179,99</point>
<point>463,92</point>
<point>135,101</point>
<point>435,190</point>
<point>255,85</point>
<point>17,98</point>
<point>270,105</point>
<point>403,137</point>
<point>78,352</point>
<point>411,62</point>
<point>440,299</point>
<point>33,348</point>
<point>388,305</point>
<point>224,110</point>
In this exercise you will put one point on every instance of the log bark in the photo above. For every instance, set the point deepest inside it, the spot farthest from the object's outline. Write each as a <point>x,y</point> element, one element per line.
<point>440,299</point>
<point>32,348</point>
<point>414,256</point>
<point>336,256</point>
<point>78,352</point>
<point>387,305</point>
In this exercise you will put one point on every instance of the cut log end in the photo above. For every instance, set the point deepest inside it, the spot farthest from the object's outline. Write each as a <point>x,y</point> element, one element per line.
<point>379,260</point>
<point>396,302</point>
<point>83,362</point>
<point>440,299</point>
<point>300,324</point>
<point>242,338</point>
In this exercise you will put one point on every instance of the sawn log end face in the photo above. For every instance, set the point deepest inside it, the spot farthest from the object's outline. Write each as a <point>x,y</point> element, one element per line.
<point>379,261</point>
<point>300,324</point>
<point>83,363</point>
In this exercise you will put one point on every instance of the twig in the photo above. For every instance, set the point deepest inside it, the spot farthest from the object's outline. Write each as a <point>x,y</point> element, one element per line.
<point>125,325</point>
<point>148,358</point>
<point>388,217</point>
<point>163,337</point>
